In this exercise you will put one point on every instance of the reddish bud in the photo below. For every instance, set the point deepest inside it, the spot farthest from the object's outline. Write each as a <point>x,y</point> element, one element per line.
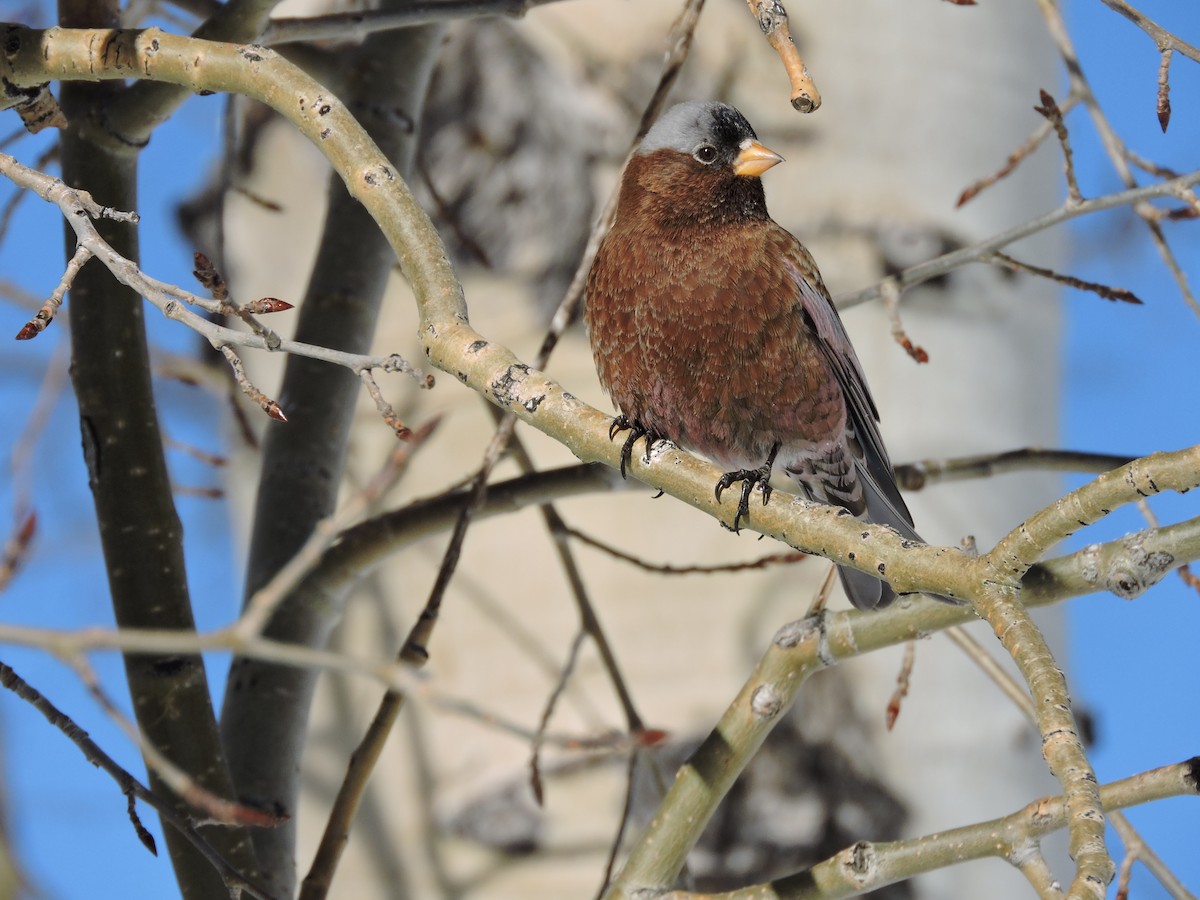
<point>267,305</point>
<point>27,529</point>
<point>650,737</point>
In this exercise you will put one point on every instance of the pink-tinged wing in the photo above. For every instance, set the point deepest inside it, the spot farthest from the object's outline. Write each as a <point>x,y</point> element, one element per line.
<point>884,503</point>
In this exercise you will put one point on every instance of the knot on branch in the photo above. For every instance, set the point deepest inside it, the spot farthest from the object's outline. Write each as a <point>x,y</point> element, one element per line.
<point>860,861</point>
<point>766,702</point>
<point>1129,569</point>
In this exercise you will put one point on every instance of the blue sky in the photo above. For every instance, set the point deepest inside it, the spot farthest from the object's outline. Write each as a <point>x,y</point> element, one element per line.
<point>1133,387</point>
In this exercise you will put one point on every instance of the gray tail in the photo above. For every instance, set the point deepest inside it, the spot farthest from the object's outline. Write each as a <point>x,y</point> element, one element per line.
<point>865,591</point>
<point>885,506</point>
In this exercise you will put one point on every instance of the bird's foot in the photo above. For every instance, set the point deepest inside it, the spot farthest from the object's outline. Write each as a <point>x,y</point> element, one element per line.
<point>636,430</point>
<point>749,478</point>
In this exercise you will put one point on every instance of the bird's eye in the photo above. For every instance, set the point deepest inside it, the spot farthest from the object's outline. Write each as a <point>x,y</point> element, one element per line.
<point>705,153</point>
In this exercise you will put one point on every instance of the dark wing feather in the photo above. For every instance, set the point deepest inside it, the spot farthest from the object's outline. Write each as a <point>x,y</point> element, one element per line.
<point>884,503</point>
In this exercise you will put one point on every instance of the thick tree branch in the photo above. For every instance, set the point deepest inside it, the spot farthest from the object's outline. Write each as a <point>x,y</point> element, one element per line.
<point>866,866</point>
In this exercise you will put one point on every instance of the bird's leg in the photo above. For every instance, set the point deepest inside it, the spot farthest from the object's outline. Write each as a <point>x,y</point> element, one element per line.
<point>636,430</point>
<point>749,478</point>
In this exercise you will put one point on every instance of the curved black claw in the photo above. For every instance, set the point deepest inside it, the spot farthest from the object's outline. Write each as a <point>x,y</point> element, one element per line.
<point>749,478</point>
<point>636,430</point>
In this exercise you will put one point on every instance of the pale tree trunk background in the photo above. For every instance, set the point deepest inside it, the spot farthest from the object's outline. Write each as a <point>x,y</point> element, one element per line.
<point>920,99</point>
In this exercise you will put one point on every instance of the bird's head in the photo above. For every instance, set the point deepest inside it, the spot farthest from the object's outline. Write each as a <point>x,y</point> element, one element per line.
<point>714,135</point>
<point>698,160</point>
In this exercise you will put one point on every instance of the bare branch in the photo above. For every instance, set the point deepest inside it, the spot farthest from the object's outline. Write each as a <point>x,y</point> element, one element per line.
<point>890,291</point>
<point>1162,38</point>
<point>269,406</point>
<point>78,208</point>
<point>1162,106</point>
<point>667,569</point>
<point>128,784</point>
<point>773,20</point>
<point>983,250</point>
<point>1114,147</point>
<point>867,866</point>
<point>903,681</point>
<point>45,315</point>
<point>386,410</point>
<point>1015,158</point>
<point>1102,290</point>
<point>917,475</point>
<point>1049,109</point>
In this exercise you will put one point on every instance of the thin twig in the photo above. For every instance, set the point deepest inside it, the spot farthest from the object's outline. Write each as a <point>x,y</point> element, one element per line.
<point>1162,38</point>
<point>414,653</point>
<point>903,682</point>
<point>564,676</point>
<point>78,209</point>
<point>890,292</point>
<point>1015,158</point>
<point>215,460</point>
<point>45,315</point>
<point>1114,147</point>
<point>1135,843</point>
<point>614,849</point>
<point>1049,109</point>
<point>762,562</point>
<point>262,604</point>
<point>269,406</point>
<point>1115,294</point>
<point>15,551</point>
<point>386,409</point>
<point>129,785</point>
<point>589,622</point>
<point>821,597</point>
<point>984,249</point>
<point>1162,104</point>
<point>918,475</point>
<point>218,810</point>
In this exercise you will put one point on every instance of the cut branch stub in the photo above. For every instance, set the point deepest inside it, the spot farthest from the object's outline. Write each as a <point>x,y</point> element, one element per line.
<point>773,20</point>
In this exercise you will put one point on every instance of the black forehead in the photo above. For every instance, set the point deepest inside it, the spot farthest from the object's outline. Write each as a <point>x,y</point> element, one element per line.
<point>685,125</point>
<point>728,125</point>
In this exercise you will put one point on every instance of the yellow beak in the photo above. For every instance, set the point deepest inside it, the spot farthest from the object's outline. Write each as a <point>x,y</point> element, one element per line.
<point>754,159</point>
